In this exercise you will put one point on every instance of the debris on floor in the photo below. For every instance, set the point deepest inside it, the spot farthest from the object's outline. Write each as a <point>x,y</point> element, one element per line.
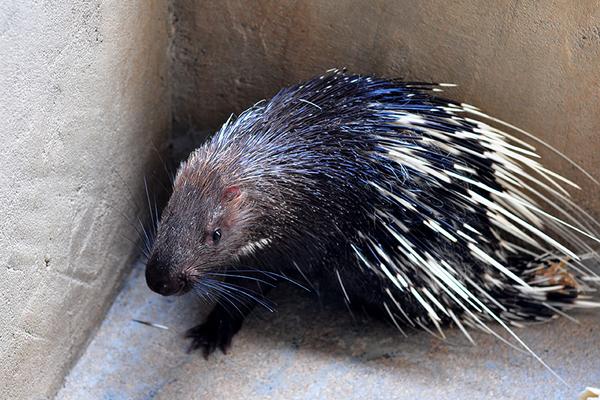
<point>589,393</point>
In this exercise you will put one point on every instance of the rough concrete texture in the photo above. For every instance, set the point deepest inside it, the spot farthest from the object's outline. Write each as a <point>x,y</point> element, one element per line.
<point>534,64</point>
<point>84,88</point>
<point>308,351</point>
<point>85,95</point>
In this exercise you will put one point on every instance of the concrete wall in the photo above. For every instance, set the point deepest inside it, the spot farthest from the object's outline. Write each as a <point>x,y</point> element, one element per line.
<point>535,64</point>
<point>84,93</point>
<point>85,99</point>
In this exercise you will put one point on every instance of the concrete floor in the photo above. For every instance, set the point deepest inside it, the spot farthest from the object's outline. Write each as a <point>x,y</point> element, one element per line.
<point>309,351</point>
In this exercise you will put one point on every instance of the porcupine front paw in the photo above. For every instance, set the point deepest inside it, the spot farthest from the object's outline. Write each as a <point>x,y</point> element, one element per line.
<point>217,331</point>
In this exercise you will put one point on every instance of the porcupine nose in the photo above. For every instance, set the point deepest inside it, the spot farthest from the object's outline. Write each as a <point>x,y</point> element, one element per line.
<point>159,279</point>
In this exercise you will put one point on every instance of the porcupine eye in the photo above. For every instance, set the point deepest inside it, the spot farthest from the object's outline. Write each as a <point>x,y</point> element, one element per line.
<point>216,236</point>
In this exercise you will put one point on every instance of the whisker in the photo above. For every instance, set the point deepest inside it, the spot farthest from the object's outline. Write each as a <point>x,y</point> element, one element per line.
<point>168,171</point>
<point>225,296</point>
<point>133,225</point>
<point>141,249</point>
<point>241,277</point>
<point>273,274</point>
<point>153,210</point>
<point>128,188</point>
<point>148,240</point>
<point>201,292</point>
<point>249,293</point>
<point>216,299</point>
<point>227,290</point>
<point>146,234</point>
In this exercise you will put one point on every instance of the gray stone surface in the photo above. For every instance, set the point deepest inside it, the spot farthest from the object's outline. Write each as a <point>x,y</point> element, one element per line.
<point>84,96</point>
<point>308,351</point>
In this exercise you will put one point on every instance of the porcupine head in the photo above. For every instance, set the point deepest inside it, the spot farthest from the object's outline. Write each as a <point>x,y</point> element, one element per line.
<point>206,221</point>
<point>216,218</point>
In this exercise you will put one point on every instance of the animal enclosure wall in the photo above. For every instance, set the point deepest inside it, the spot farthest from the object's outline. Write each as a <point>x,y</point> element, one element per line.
<point>91,88</point>
<point>533,64</point>
<point>84,100</point>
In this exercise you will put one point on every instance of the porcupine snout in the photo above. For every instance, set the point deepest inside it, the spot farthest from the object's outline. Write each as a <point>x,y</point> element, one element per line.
<point>161,280</point>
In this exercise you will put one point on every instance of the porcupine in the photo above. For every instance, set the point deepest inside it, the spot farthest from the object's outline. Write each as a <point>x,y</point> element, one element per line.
<point>406,203</point>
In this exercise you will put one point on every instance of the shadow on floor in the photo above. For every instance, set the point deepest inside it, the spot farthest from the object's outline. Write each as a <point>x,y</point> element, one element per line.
<point>309,351</point>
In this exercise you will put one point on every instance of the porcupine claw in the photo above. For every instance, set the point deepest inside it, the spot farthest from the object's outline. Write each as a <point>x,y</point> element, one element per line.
<point>217,331</point>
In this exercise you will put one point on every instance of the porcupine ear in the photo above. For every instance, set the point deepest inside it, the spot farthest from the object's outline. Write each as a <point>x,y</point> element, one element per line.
<point>231,193</point>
